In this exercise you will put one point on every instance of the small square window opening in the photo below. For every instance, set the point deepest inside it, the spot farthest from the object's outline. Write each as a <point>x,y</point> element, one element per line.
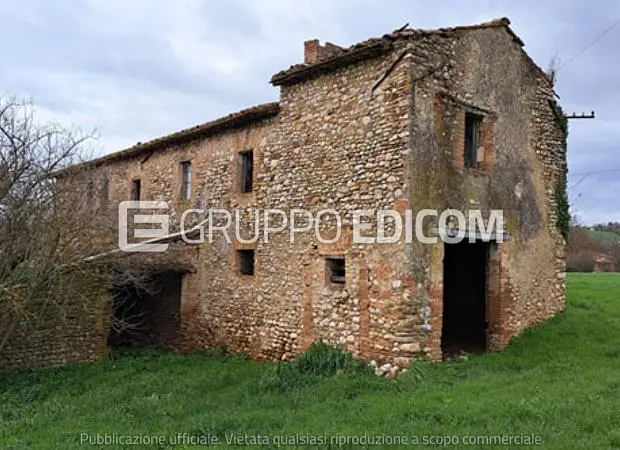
<point>186,180</point>
<point>136,187</point>
<point>246,171</point>
<point>336,273</point>
<point>245,262</point>
<point>472,139</point>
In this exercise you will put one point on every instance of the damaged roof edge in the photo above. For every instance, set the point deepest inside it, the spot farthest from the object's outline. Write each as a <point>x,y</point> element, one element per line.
<point>361,51</point>
<point>377,46</point>
<point>234,120</point>
<point>366,50</point>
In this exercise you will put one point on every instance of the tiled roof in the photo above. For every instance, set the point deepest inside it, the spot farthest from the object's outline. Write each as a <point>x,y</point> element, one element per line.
<point>234,120</point>
<point>375,47</point>
<point>338,58</point>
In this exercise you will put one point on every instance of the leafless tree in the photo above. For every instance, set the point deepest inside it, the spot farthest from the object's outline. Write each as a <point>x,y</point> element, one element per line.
<point>554,67</point>
<point>582,250</point>
<point>48,227</point>
<point>127,318</point>
<point>36,245</point>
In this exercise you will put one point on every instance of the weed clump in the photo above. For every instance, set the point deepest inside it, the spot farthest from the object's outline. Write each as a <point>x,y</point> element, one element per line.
<point>318,362</point>
<point>416,374</point>
<point>324,360</point>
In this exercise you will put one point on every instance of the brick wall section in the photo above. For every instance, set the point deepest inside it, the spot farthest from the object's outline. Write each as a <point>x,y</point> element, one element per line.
<point>487,135</point>
<point>308,313</point>
<point>449,116</point>
<point>499,301</point>
<point>458,145</point>
<point>364,341</point>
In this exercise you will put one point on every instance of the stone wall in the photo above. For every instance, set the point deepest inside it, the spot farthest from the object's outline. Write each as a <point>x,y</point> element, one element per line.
<point>74,332</point>
<point>338,144</point>
<point>218,305</point>
<point>487,72</point>
<point>382,132</point>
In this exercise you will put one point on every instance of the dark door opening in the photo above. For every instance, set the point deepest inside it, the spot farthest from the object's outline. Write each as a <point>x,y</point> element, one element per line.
<point>464,298</point>
<point>149,315</point>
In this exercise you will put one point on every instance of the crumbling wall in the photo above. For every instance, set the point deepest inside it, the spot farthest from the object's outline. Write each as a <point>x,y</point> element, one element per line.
<point>218,306</point>
<point>382,132</point>
<point>339,144</point>
<point>524,154</point>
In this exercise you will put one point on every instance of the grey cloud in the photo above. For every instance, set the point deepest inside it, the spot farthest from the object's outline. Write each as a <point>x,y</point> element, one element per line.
<point>139,70</point>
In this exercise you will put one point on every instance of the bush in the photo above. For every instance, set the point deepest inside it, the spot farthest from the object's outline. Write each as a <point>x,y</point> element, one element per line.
<point>283,377</point>
<point>580,262</point>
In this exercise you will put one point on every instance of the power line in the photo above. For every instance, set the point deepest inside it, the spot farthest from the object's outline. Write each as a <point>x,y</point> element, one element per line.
<point>585,175</point>
<point>591,44</point>
<point>592,172</point>
<point>574,185</point>
<point>582,116</point>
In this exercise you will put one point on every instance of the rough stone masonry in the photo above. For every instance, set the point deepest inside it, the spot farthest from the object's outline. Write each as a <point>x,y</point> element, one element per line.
<point>379,125</point>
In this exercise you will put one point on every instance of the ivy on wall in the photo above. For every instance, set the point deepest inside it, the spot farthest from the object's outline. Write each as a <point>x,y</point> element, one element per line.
<point>560,117</point>
<point>562,207</point>
<point>561,194</point>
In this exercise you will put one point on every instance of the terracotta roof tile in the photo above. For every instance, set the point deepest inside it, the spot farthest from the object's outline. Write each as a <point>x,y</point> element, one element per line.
<point>376,46</point>
<point>233,120</point>
<point>369,48</point>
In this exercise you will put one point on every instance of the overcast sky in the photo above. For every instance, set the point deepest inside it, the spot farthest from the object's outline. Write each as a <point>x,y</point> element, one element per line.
<point>139,69</point>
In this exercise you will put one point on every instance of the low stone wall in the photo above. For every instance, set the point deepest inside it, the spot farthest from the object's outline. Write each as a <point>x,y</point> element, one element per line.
<point>75,333</point>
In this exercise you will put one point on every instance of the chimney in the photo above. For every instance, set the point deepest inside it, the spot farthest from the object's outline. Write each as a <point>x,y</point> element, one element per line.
<point>311,51</point>
<point>315,52</point>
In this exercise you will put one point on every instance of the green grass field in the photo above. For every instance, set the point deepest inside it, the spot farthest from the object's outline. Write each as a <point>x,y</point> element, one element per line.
<point>559,381</point>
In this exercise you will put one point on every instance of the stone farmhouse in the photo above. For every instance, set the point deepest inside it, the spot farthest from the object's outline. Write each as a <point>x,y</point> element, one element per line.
<point>603,263</point>
<point>452,118</point>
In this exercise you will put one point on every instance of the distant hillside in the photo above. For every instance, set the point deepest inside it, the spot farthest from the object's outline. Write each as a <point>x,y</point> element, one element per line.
<point>606,237</point>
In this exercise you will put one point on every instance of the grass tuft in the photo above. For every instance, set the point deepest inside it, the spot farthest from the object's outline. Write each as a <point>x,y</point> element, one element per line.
<point>319,361</point>
<point>324,360</point>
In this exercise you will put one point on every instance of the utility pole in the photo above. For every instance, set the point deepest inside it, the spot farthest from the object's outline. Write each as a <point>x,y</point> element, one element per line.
<point>582,116</point>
